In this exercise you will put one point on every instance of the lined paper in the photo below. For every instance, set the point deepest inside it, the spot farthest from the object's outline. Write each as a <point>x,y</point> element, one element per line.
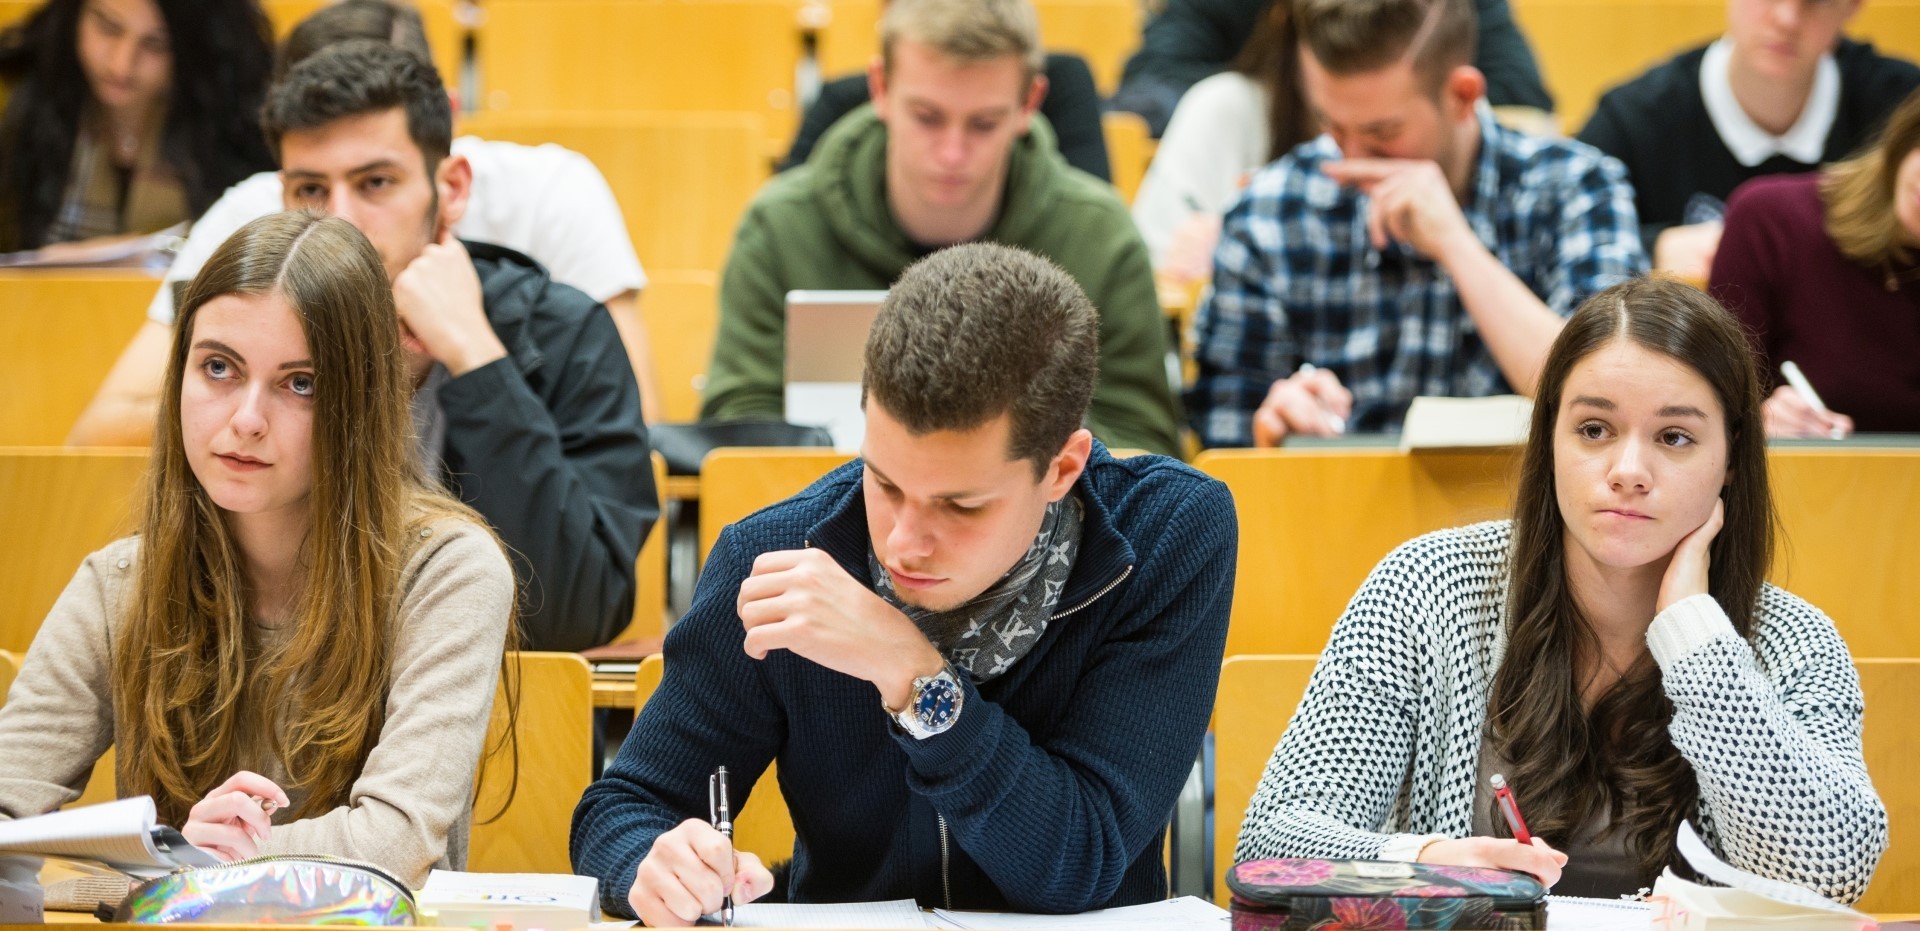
<point>1569,913</point>
<point>900,913</point>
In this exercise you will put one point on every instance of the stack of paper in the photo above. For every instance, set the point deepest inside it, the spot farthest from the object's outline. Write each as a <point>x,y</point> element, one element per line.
<point>125,835</point>
<point>521,900</point>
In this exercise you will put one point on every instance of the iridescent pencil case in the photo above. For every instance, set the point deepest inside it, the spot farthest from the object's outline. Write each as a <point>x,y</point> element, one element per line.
<point>273,890</point>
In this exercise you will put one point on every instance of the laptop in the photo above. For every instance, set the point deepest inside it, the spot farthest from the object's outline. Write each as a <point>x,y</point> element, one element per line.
<point>826,351</point>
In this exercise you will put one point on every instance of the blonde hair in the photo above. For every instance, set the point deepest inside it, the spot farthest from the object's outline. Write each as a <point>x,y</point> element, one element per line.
<point>1858,193</point>
<point>969,30</point>
<point>193,697</point>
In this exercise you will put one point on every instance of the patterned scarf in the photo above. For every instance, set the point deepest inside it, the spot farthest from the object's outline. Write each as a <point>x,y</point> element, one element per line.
<point>987,635</point>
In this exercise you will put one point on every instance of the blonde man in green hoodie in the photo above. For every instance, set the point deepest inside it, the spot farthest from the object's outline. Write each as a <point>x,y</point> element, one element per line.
<point>949,151</point>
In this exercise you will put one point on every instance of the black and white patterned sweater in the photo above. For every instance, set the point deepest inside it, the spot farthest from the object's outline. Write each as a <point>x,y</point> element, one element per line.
<point>1382,750</point>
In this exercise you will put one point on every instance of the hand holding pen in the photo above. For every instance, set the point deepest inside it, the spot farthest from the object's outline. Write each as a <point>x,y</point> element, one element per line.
<point>1796,410</point>
<point>1525,852</point>
<point>1312,403</point>
<point>693,870</point>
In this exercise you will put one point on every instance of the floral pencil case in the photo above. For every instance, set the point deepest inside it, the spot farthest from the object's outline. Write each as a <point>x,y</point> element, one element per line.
<point>273,890</point>
<point>1321,895</point>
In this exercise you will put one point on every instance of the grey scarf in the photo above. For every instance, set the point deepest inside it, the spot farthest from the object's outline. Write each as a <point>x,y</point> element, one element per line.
<point>987,635</point>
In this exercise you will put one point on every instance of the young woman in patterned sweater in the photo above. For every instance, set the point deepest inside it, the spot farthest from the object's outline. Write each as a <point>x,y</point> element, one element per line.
<point>1613,649</point>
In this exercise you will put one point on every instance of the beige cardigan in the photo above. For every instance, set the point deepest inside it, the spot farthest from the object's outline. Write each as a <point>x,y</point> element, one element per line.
<point>409,809</point>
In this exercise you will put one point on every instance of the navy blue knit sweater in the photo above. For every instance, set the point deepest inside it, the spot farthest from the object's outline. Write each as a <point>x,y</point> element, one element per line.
<point>1054,786</point>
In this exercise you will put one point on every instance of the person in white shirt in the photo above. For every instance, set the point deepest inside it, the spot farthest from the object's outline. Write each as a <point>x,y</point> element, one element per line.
<point>547,202</point>
<point>1783,91</point>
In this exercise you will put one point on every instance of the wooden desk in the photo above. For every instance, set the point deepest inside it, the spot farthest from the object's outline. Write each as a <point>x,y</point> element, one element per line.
<point>608,693</point>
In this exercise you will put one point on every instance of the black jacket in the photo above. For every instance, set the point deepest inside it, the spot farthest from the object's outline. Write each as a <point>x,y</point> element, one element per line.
<point>548,445</point>
<point>1657,125</point>
<point>1072,106</point>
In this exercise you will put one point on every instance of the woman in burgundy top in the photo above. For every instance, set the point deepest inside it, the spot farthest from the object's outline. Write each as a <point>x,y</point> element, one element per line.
<point>1824,271</point>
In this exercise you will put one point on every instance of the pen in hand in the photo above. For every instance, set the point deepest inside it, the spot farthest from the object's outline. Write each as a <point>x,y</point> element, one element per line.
<point>1337,422</point>
<point>720,812</point>
<point>1509,809</point>
<point>1798,380</point>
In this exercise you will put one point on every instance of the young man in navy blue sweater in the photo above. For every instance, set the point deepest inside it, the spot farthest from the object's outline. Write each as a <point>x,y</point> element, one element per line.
<point>984,654</point>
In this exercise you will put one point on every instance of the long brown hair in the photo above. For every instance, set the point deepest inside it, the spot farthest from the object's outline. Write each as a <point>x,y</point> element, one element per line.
<point>192,696</point>
<point>1271,58</point>
<point>1567,764</point>
<point>1858,193</point>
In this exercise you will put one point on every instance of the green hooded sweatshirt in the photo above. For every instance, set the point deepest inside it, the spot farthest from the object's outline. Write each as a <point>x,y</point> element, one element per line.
<point>826,225</point>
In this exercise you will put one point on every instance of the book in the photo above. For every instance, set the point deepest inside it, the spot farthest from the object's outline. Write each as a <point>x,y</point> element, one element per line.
<point>124,834</point>
<point>524,901</point>
<point>1466,423</point>
<point>1747,903</point>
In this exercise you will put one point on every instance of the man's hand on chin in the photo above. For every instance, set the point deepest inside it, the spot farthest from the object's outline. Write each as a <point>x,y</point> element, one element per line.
<point>438,297</point>
<point>803,601</point>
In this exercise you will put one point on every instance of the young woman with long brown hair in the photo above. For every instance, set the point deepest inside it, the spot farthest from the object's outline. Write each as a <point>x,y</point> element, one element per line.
<point>1613,650</point>
<point>298,651</point>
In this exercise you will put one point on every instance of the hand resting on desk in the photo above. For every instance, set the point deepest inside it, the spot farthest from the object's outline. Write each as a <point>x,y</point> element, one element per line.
<point>1499,853</point>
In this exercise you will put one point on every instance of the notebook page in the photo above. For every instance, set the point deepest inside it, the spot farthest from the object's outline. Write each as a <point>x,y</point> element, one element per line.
<point>900,913</point>
<point>1567,913</point>
<point>113,832</point>
<point>1186,912</point>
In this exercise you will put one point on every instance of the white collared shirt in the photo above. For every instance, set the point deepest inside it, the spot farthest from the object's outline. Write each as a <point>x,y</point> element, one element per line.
<point>1805,142</point>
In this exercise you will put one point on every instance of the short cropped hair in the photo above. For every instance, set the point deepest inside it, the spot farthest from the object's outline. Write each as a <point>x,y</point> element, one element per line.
<point>397,24</point>
<point>968,30</point>
<point>355,78</point>
<point>978,330</point>
<point>1348,37</point>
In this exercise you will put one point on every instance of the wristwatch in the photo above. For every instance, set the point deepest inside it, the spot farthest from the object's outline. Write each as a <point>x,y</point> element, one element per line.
<point>932,706</point>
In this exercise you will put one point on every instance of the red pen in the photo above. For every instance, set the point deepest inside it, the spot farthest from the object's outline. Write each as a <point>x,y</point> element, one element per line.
<point>1503,797</point>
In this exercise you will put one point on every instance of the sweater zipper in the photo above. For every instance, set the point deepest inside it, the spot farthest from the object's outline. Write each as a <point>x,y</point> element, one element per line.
<point>1110,586</point>
<point>946,879</point>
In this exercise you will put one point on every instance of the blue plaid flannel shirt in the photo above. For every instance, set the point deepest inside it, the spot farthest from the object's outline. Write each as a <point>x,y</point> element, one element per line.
<point>1296,280</point>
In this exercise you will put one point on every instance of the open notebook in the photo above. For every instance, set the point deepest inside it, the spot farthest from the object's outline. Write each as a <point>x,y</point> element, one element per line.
<point>125,835</point>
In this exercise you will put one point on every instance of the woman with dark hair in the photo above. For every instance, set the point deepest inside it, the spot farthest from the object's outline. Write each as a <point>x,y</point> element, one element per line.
<point>1225,127</point>
<point>1613,650</point>
<point>127,116</point>
<point>301,620</point>
<point>1824,272</point>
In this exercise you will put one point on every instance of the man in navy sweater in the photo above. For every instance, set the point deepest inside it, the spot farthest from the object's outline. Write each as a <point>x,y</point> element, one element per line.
<point>984,654</point>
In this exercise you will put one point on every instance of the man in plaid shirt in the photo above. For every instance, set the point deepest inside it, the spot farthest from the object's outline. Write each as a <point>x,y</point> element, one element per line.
<point>1416,248</point>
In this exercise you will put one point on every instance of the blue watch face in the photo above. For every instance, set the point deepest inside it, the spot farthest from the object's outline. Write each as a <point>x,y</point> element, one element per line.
<point>937,702</point>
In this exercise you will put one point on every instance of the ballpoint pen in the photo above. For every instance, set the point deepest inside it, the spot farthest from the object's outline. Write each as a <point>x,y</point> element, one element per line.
<point>1509,808</point>
<point>1337,422</point>
<point>720,812</point>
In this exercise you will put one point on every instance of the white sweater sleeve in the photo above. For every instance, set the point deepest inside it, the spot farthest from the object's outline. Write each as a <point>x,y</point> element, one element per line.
<point>1203,158</point>
<point>1773,733</point>
<point>1341,762</point>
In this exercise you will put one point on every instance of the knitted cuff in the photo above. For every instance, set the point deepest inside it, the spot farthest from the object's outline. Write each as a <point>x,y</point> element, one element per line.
<point>1686,626</point>
<point>1407,847</point>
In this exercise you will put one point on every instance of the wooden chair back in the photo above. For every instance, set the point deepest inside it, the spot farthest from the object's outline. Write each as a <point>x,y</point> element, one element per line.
<point>739,481</point>
<point>1847,543</point>
<point>682,310</point>
<point>682,179</point>
<point>1892,689</point>
<point>60,332</point>
<point>737,56</point>
<point>554,764</point>
<point>57,506</point>
<point>1258,696</point>
<point>1313,523</point>
<point>763,827</point>
<point>1129,150</point>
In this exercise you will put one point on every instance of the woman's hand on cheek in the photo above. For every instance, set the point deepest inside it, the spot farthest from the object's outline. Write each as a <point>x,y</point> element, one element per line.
<point>1687,572</point>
